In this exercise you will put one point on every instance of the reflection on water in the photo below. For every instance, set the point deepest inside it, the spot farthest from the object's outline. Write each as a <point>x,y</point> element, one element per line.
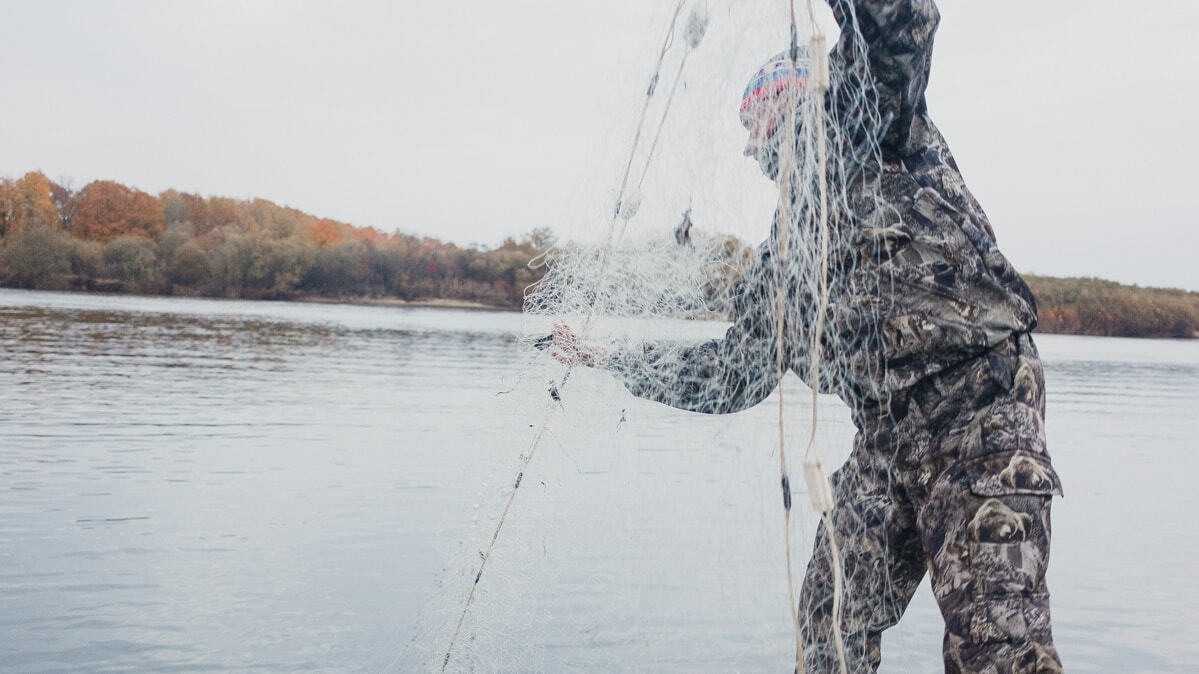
<point>230,485</point>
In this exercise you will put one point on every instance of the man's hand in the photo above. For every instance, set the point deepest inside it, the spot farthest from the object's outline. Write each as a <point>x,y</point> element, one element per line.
<point>570,351</point>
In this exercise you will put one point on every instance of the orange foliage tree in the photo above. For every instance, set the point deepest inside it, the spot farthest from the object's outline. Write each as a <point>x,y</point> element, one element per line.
<point>325,233</point>
<point>104,210</point>
<point>373,236</point>
<point>27,202</point>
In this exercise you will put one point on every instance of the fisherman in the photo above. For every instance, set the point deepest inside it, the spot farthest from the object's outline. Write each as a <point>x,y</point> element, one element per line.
<point>949,471</point>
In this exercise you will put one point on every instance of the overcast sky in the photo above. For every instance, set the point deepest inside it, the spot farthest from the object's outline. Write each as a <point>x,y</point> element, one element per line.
<point>468,121</point>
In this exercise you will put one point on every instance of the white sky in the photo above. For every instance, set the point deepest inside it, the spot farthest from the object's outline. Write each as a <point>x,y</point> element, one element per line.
<point>470,120</point>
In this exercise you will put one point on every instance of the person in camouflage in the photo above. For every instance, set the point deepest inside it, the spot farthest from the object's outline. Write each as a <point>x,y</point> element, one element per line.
<point>927,341</point>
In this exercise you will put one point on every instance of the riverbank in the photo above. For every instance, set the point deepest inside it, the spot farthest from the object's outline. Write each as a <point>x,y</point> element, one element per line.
<point>1092,306</point>
<point>434,302</point>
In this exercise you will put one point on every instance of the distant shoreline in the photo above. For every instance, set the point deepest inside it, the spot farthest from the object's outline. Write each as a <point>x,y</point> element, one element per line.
<point>1050,311</point>
<point>1092,306</point>
<point>433,303</point>
<point>1048,326</point>
<point>111,238</point>
<point>428,302</point>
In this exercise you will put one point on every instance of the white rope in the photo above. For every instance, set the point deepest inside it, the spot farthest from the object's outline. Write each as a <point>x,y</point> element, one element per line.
<point>787,157</point>
<point>649,94</point>
<point>819,489</point>
<point>697,25</point>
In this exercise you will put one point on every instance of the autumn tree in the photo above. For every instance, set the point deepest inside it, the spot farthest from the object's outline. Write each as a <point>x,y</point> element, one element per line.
<point>372,236</point>
<point>181,208</point>
<point>7,190</point>
<point>27,202</point>
<point>104,210</point>
<point>223,212</point>
<point>61,196</point>
<point>325,233</point>
<point>277,221</point>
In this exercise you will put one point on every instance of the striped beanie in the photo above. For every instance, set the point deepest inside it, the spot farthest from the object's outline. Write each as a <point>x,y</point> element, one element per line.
<point>772,79</point>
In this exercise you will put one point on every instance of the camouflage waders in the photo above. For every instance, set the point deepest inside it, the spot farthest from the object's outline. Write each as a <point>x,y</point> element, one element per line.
<point>952,478</point>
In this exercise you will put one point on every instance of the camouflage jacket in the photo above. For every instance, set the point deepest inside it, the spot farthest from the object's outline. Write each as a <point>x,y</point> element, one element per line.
<point>918,284</point>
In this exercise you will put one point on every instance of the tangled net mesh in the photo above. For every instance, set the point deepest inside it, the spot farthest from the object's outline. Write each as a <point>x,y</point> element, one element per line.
<point>655,538</point>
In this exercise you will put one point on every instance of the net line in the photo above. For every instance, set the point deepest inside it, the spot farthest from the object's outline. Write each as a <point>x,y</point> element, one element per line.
<point>696,28</point>
<point>828,201</point>
<point>815,475</point>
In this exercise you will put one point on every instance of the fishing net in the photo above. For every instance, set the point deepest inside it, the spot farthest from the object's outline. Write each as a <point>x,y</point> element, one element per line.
<point>615,532</point>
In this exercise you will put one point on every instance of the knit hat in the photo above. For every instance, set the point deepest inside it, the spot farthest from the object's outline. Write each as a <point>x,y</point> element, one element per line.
<point>772,79</point>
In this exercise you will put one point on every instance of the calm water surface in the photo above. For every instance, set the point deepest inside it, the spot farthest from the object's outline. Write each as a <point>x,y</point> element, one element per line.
<point>205,485</point>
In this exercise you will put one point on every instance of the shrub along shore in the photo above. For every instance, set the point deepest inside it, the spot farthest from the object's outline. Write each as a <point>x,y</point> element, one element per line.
<point>1091,306</point>
<point>108,237</point>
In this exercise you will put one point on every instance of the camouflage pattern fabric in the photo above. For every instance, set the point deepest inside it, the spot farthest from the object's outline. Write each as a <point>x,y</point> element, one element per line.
<point>917,281</point>
<point>927,342</point>
<point>921,267</point>
<point>966,499</point>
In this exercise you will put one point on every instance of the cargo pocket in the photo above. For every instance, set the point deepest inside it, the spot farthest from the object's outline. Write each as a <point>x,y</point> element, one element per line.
<point>1013,473</point>
<point>1007,538</point>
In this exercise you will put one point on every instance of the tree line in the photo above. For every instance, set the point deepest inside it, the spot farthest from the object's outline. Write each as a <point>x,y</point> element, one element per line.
<point>1091,306</point>
<point>111,237</point>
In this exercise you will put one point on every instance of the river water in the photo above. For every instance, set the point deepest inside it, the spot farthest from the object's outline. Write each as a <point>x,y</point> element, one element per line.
<point>209,485</point>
